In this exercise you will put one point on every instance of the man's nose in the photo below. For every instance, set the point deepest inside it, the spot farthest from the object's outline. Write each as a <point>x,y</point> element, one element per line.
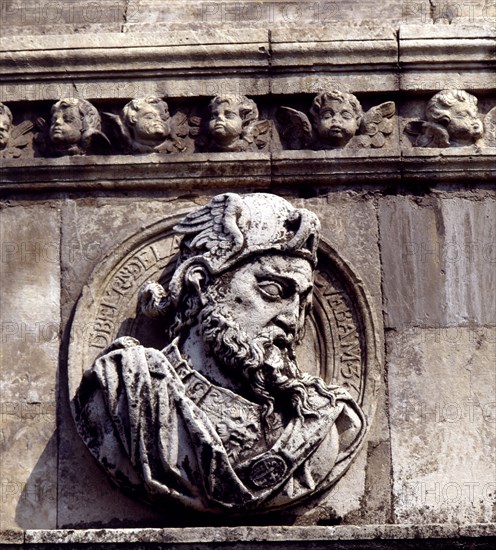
<point>288,316</point>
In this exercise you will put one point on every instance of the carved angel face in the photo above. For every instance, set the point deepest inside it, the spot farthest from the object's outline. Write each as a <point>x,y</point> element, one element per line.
<point>337,123</point>
<point>5,128</point>
<point>226,124</point>
<point>66,126</point>
<point>463,124</point>
<point>150,125</point>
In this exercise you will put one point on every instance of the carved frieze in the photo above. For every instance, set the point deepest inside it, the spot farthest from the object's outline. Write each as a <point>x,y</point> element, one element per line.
<point>335,121</point>
<point>244,379</point>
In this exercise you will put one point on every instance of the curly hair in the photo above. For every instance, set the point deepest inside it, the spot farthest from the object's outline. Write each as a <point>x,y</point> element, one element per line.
<point>247,108</point>
<point>439,105</point>
<point>129,112</point>
<point>90,117</point>
<point>320,101</point>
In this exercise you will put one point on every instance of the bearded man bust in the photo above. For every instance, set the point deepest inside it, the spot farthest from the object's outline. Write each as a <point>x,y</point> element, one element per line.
<point>222,419</point>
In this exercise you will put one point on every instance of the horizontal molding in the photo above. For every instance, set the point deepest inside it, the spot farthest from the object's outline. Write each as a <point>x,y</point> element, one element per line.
<point>114,59</point>
<point>275,534</point>
<point>255,170</point>
<point>250,61</point>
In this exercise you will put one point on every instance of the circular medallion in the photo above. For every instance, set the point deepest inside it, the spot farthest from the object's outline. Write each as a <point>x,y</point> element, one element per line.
<point>340,342</point>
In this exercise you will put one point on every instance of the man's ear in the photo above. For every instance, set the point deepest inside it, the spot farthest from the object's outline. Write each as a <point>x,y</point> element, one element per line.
<point>197,277</point>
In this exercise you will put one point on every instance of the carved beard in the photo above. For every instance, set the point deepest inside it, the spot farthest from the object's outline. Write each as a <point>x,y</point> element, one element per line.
<point>271,373</point>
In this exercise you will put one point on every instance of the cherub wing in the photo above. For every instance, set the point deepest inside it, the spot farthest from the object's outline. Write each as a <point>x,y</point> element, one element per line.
<point>41,139</point>
<point>179,124</point>
<point>427,134</point>
<point>490,128</point>
<point>195,123</point>
<point>119,128</point>
<point>377,124</point>
<point>180,131</point>
<point>261,134</point>
<point>21,130</point>
<point>295,128</point>
<point>20,138</point>
<point>99,143</point>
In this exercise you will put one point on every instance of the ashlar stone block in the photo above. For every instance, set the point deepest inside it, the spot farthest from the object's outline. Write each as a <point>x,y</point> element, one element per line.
<point>442,387</point>
<point>439,259</point>
<point>30,324</point>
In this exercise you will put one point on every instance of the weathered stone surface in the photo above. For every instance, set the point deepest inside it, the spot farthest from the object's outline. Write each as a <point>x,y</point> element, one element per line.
<point>349,224</point>
<point>62,17</point>
<point>438,257</point>
<point>443,424</point>
<point>179,64</point>
<point>30,323</point>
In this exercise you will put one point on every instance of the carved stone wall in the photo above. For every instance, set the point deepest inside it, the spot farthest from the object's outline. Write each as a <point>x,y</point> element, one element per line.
<point>404,313</point>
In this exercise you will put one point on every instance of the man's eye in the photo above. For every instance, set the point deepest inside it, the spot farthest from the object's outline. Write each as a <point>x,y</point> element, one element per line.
<point>271,289</point>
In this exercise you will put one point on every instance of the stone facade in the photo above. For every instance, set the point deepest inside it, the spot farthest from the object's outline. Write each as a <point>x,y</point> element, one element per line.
<point>385,130</point>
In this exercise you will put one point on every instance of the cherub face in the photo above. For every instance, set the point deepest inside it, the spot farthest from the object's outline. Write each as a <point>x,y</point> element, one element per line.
<point>463,125</point>
<point>67,126</point>
<point>337,123</point>
<point>5,128</point>
<point>150,126</point>
<point>226,125</point>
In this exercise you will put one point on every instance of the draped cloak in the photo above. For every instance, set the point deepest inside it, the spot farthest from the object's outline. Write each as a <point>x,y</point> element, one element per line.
<point>153,424</point>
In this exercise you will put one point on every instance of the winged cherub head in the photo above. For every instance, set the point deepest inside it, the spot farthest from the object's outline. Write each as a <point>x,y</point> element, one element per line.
<point>73,124</point>
<point>336,117</point>
<point>147,120</point>
<point>456,111</point>
<point>231,119</point>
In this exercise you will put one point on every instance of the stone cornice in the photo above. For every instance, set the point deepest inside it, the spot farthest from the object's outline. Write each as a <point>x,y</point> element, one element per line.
<point>249,61</point>
<point>257,170</point>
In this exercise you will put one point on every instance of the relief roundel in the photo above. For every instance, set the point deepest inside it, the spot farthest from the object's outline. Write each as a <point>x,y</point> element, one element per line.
<point>218,360</point>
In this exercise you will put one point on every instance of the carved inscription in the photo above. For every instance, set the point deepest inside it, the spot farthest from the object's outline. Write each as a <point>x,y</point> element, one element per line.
<point>349,360</point>
<point>124,284</point>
